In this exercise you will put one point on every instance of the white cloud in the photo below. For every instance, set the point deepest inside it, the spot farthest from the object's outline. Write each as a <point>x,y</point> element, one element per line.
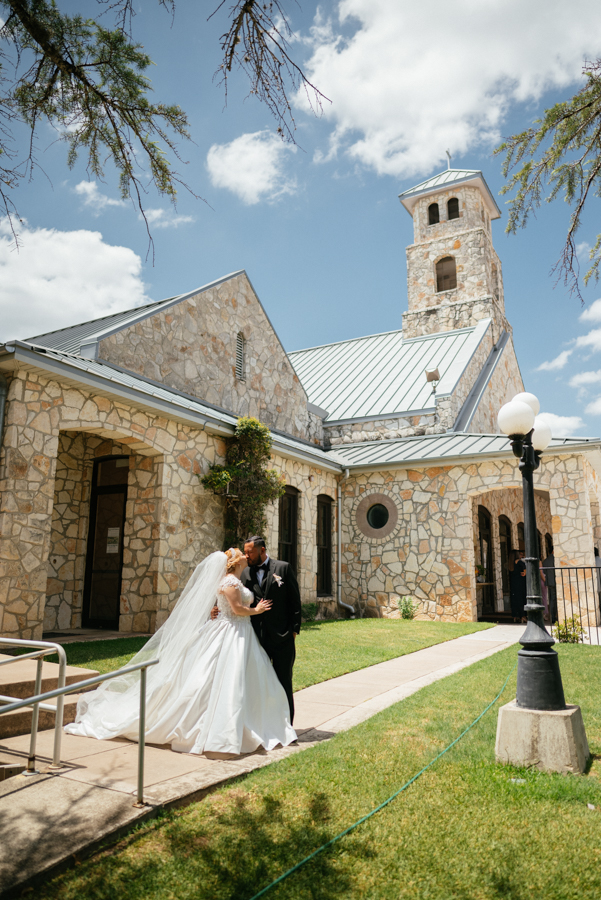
<point>562,426</point>
<point>417,78</point>
<point>252,166</point>
<point>558,363</point>
<point>594,408</point>
<point>592,339</point>
<point>160,218</point>
<point>59,278</point>
<point>593,313</point>
<point>88,191</point>
<point>585,378</point>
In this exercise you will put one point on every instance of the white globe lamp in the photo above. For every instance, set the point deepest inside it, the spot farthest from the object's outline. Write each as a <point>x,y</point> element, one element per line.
<point>516,417</point>
<point>541,436</point>
<point>530,399</point>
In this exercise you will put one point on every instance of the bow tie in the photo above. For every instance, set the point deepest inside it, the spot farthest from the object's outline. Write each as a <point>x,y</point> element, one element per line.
<point>263,566</point>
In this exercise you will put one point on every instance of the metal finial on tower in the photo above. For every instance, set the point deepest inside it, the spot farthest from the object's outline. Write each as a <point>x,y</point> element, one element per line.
<point>448,159</point>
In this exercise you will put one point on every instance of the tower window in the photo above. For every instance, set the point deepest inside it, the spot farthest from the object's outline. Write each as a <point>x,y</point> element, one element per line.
<point>453,208</point>
<point>433,214</point>
<point>240,357</point>
<point>446,274</point>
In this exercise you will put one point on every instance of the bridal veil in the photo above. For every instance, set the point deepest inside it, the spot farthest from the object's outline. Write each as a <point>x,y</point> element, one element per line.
<point>113,708</point>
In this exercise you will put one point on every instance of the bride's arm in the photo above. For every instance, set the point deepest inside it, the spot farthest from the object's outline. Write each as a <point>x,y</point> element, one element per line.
<point>232,596</point>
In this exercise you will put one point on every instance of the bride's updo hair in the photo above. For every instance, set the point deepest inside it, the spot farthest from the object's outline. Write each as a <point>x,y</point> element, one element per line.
<point>233,558</point>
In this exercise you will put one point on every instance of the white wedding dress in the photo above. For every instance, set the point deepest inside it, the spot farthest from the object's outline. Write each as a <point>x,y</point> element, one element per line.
<point>219,693</point>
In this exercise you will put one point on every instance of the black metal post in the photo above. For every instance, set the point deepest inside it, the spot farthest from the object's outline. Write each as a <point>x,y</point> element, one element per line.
<point>539,679</point>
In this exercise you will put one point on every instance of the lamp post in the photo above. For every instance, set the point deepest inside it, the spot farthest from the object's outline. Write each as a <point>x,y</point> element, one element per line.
<point>539,683</point>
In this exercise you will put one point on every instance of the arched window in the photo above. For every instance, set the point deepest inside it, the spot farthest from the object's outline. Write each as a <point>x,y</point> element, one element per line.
<point>446,274</point>
<point>240,357</point>
<point>433,214</point>
<point>453,208</point>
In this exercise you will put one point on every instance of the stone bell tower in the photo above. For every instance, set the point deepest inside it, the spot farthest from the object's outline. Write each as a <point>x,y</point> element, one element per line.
<point>453,272</point>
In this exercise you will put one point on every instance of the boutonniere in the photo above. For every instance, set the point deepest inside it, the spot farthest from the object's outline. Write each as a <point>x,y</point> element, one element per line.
<point>278,578</point>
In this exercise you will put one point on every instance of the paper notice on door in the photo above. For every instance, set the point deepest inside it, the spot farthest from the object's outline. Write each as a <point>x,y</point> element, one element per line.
<point>112,540</point>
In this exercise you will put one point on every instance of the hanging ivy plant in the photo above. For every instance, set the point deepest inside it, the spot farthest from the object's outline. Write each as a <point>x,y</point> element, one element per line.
<point>245,481</point>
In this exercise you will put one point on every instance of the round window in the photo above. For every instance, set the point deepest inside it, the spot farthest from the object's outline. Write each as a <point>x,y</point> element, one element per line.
<point>377,516</point>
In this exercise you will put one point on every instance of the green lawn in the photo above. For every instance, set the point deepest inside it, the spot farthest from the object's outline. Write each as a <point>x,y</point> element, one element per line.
<point>324,649</point>
<point>464,831</point>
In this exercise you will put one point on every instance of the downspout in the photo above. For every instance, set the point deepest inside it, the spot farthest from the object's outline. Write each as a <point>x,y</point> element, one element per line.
<point>350,608</point>
<point>3,395</point>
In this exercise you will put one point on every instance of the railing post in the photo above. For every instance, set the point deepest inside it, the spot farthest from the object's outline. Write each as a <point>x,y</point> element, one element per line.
<point>31,769</point>
<point>60,704</point>
<point>141,738</point>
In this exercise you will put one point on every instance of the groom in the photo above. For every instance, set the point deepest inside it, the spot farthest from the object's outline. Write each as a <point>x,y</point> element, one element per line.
<point>276,628</point>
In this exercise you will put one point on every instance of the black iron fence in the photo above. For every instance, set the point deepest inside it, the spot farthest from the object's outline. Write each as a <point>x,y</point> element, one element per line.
<point>574,602</point>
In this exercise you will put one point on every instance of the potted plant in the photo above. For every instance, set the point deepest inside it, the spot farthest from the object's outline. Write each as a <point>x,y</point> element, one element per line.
<point>480,574</point>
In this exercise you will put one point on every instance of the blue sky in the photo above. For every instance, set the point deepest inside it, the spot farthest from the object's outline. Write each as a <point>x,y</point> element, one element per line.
<point>319,228</point>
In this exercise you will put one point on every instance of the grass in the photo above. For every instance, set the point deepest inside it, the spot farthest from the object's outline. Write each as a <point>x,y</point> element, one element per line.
<point>463,831</point>
<point>324,649</point>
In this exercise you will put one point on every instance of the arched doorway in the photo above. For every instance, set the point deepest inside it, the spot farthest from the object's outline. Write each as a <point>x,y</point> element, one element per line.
<point>486,588</point>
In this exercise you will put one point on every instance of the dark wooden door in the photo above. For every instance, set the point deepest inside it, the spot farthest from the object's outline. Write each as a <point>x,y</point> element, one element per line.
<point>104,560</point>
<point>505,548</point>
<point>486,560</point>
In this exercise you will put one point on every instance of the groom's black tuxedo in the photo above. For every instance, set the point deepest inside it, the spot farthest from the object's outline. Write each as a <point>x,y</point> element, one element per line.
<point>276,627</point>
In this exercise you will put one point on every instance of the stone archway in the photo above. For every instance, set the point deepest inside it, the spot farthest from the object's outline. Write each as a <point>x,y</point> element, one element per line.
<point>138,546</point>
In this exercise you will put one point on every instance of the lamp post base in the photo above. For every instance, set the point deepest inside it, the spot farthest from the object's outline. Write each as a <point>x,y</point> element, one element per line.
<point>551,740</point>
<point>539,684</point>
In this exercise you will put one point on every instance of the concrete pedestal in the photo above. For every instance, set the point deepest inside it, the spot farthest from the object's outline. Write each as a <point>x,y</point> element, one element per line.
<point>554,741</point>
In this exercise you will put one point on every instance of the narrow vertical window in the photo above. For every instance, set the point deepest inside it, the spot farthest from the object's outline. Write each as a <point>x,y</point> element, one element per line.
<point>433,214</point>
<point>240,357</point>
<point>288,527</point>
<point>453,208</point>
<point>324,546</point>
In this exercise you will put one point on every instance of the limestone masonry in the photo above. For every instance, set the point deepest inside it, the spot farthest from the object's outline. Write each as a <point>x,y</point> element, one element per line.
<point>386,443</point>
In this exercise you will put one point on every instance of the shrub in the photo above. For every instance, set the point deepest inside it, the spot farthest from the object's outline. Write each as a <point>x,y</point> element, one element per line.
<point>408,608</point>
<point>245,481</point>
<point>569,631</point>
<point>309,611</point>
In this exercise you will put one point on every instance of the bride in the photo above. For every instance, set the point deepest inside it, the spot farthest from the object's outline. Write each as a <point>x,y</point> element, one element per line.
<point>214,688</point>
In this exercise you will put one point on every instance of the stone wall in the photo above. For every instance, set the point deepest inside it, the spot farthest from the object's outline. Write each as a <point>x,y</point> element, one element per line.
<point>52,436</point>
<point>192,347</point>
<point>310,481</point>
<point>430,554</point>
<point>171,521</point>
<point>505,383</point>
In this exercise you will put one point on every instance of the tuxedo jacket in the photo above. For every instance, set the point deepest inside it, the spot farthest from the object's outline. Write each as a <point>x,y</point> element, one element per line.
<point>277,625</point>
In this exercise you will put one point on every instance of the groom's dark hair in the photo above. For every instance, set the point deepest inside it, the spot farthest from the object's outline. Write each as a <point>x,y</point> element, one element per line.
<point>256,540</point>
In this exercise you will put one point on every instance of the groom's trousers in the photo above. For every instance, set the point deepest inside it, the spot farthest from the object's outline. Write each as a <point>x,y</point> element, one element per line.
<point>282,656</point>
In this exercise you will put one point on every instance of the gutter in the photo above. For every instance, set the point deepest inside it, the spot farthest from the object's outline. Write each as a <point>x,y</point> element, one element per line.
<point>3,395</point>
<point>339,599</point>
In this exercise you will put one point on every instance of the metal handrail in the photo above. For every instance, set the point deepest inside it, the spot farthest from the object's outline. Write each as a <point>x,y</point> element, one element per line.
<point>44,649</point>
<point>89,682</point>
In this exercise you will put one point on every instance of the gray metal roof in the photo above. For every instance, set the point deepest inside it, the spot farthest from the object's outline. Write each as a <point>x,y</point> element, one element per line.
<point>447,179</point>
<point>440,448</point>
<point>72,339</point>
<point>112,380</point>
<point>382,375</point>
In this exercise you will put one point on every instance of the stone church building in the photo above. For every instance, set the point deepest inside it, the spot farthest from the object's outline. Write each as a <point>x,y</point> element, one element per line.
<point>397,482</point>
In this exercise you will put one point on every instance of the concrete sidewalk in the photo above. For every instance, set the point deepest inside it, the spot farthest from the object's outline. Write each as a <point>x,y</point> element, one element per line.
<point>47,820</point>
